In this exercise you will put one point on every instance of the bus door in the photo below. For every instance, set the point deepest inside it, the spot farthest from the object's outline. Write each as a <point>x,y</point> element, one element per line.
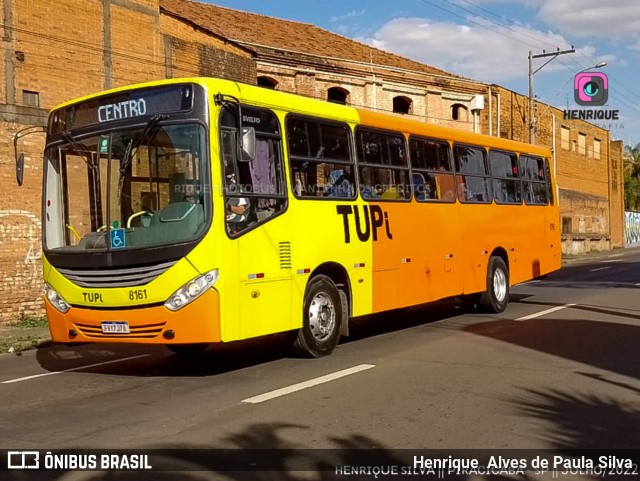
<point>254,197</point>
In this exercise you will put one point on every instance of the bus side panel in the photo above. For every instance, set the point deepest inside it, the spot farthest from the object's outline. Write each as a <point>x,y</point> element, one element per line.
<point>389,241</point>
<point>264,272</point>
<point>416,255</point>
<point>325,232</point>
<point>552,257</point>
<point>479,230</point>
<point>531,242</point>
<point>516,222</point>
<point>441,246</point>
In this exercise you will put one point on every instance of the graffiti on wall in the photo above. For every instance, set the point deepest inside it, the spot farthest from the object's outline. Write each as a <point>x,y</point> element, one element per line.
<point>632,228</point>
<point>20,235</point>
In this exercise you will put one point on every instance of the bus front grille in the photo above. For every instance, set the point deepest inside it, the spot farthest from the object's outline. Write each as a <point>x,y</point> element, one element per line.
<point>127,277</point>
<point>148,331</point>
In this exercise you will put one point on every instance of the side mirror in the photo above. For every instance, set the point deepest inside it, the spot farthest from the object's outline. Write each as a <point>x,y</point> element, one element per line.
<point>20,158</point>
<point>248,152</point>
<point>20,169</point>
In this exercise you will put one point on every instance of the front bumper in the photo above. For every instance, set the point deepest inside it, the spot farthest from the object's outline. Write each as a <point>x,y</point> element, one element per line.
<point>197,322</point>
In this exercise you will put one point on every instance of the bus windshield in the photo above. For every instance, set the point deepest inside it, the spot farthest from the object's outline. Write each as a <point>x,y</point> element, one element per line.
<point>127,189</point>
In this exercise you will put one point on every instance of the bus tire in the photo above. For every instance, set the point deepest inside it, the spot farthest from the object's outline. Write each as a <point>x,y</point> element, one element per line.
<point>496,297</point>
<point>322,319</point>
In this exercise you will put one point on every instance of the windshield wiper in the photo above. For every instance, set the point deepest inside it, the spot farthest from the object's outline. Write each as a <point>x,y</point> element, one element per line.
<point>129,153</point>
<point>79,149</point>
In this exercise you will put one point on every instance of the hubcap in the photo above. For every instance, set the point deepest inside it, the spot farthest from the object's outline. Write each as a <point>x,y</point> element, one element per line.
<point>500,285</point>
<point>322,316</point>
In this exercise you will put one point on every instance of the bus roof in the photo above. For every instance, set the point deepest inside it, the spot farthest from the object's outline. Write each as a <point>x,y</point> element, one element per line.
<point>294,103</point>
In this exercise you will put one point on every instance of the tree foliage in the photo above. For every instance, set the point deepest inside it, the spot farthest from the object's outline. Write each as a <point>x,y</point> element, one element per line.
<point>632,178</point>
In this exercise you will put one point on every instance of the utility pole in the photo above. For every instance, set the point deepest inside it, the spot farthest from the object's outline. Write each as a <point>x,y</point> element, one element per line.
<point>553,55</point>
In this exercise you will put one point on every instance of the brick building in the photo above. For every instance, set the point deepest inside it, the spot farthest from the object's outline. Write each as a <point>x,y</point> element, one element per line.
<point>588,167</point>
<point>54,50</point>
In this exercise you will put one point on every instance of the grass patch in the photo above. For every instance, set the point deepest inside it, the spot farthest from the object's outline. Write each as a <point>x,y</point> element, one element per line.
<point>31,322</point>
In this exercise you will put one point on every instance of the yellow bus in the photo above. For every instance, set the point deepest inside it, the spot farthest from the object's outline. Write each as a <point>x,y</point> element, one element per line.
<point>194,211</point>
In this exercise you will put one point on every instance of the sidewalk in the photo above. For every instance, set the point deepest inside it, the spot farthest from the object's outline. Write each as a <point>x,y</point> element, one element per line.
<point>595,255</point>
<point>17,338</point>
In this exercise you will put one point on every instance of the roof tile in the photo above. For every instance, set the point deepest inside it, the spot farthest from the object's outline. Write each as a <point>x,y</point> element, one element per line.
<point>251,29</point>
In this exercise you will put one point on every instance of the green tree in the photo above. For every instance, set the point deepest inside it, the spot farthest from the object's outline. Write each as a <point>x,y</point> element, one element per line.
<point>632,178</point>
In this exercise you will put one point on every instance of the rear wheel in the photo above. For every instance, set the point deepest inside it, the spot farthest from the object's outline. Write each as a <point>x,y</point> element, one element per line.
<point>322,318</point>
<point>496,296</point>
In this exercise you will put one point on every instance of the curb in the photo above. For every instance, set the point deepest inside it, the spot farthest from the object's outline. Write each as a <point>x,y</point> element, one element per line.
<point>595,255</point>
<point>20,346</point>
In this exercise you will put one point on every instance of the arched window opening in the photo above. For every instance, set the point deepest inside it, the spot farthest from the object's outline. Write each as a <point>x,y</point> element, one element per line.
<point>459,112</point>
<point>267,82</point>
<point>402,105</point>
<point>338,95</point>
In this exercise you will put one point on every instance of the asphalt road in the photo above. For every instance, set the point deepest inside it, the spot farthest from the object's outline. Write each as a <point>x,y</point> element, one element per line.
<point>560,369</point>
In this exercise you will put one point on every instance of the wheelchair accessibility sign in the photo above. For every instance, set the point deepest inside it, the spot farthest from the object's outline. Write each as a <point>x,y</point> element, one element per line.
<point>116,238</point>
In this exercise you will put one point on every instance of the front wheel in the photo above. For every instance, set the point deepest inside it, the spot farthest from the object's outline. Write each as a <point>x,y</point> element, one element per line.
<point>496,297</point>
<point>322,319</point>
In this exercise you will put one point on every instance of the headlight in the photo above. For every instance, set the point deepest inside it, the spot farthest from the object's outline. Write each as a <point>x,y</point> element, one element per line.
<point>55,299</point>
<point>191,290</point>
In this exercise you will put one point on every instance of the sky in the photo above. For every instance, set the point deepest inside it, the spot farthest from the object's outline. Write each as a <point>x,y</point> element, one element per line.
<point>490,41</point>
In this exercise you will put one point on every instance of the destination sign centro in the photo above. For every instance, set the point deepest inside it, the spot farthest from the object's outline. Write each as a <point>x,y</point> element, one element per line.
<point>122,110</point>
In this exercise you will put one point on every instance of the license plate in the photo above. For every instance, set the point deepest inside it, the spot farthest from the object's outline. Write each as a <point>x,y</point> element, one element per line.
<point>115,327</point>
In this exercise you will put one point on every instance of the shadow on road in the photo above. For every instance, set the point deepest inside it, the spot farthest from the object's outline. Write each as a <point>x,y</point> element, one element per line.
<point>149,360</point>
<point>604,345</point>
<point>605,275</point>
<point>581,421</point>
<point>261,452</point>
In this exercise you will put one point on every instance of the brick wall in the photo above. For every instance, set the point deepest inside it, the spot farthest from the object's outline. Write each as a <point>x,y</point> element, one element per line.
<point>20,234</point>
<point>374,87</point>
<point>63,49</point>
<point>195,52</point>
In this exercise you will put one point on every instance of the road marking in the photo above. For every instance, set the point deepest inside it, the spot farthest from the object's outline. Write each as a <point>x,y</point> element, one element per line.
<point>27,378</point>
<point>542,313</point>
<point>599,269</point>
<point>612,260</point>
<point>304,385</point>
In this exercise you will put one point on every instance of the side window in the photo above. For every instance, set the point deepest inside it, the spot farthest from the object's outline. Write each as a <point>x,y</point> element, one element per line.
<point>534,184</point>
<point>254,191</point>
<point>383,165</point>
<point>472,181</point>
<point>320,159</point>
<point>431,175</point>
<point>504,177</point>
